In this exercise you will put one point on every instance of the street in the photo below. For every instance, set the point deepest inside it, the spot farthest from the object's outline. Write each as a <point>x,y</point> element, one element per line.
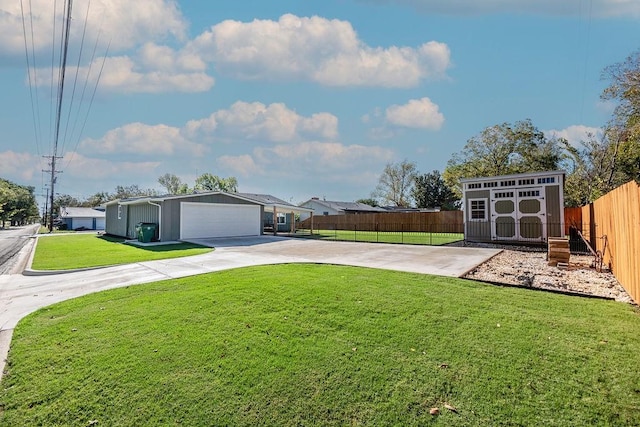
<point>12,240</point>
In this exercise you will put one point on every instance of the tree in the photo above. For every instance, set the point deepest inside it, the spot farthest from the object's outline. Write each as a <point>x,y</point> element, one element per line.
<point>396,182</point>
<point>64,200</point>
<point>97,199</point>
<point>133,191</point>
<point>430,191</point>
<point>370,201</point>
<point>210,182</point>
<point>17,203</point>
<point>503,150</point>
<point>624,89</point>
<point>173,184</point>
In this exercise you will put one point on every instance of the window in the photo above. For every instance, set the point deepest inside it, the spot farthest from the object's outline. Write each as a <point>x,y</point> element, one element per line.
<point>549,180</point>
<point>503,195</point>
<point>532,193</point>
<point>325,213</point>
<point>474,185</point>
<point>282,218</point>
<point>119,211</point>
<point>478,209</point>
<point>528,181</point>
<point>509,183</point>
<point>490,184</point>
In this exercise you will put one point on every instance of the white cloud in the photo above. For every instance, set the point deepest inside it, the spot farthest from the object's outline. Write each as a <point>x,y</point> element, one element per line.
<point>320,159</point>
<point>575,134</point>
<point>257,121</point>
<point>417,113</point>
<point>91,168</point>
<point>325,51</point>
<point>122,23</point>
<point>598,8</point>
<point>22,166</point>
<point>139,138</point>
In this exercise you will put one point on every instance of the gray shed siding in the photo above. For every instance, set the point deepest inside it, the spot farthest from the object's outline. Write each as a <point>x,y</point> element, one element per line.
<point>555,228</point>
<point>114,225</point>
<point>171,211</point>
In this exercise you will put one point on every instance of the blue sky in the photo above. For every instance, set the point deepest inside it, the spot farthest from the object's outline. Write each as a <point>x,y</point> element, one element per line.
<point>294,98</point>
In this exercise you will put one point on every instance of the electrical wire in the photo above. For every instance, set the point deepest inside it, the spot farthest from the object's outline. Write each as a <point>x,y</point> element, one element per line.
<point>34,108</point>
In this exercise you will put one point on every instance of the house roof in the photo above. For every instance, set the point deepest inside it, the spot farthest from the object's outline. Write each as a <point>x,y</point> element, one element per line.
<point>73,212</point>
<point>346,206</point>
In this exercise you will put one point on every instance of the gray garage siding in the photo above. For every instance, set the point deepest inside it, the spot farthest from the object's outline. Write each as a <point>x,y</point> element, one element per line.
<point>171,211</point>
<point>113,225</point>
<point>141,213</point>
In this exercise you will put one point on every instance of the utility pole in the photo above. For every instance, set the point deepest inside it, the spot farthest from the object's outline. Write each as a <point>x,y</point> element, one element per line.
<point>52,184</point>
<point>45,210</point>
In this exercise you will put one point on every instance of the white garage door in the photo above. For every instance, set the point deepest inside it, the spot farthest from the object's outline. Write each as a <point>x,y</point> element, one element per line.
<point>99,223</point>
<point>82,223</point>
<point>200,220</point>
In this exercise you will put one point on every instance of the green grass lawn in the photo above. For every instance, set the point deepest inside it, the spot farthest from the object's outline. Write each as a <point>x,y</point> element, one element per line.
<point>67,252</point>
<point>324,345</point>
<point>406,237</point>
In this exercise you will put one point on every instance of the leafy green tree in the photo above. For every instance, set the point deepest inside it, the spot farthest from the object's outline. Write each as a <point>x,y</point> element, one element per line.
<point>396,182</point>
<point>173,184</point>
<point>210,182</point>
<point>370,201</point>
<point>503,150</point>
<point>17,203</point>
<point>430,191</point>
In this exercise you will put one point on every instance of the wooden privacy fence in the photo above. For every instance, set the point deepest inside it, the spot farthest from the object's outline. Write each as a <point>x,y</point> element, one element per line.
<point>612,225</point>
<point>434,222</point>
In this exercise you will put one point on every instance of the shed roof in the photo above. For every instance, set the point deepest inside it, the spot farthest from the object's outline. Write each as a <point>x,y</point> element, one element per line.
<point>517,175</point>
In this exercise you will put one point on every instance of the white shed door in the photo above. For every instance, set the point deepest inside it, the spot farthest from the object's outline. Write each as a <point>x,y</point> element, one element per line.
<point>201,220</point>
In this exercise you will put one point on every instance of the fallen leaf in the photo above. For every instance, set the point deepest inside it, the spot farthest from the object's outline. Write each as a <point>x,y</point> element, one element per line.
<point>354,348</point>
<point>434,411</point>
<point>413,349</point>
<point>444,365</point>
<point>451,408</point>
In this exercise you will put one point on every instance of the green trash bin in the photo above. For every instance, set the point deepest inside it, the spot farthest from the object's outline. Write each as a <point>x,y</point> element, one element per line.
<point>146,231</point>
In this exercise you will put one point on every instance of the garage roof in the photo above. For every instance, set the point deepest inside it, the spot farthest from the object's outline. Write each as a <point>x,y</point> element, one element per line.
<point>266,200</point>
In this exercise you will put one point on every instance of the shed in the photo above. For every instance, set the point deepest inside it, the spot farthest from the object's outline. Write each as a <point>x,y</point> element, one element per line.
<point>82,218</point>
<point>526,207</point>
<point>193,216</point>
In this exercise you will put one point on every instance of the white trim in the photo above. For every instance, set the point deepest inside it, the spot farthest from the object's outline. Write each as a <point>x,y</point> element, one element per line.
<point>119,211</point>
<point>486,209</point>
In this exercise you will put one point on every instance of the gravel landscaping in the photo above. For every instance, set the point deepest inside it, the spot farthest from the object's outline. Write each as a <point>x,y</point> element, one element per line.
<point>523,266</point>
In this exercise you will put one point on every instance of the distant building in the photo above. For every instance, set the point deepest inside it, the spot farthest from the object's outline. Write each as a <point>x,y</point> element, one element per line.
<point>327,207</point>
<point>82,218</point>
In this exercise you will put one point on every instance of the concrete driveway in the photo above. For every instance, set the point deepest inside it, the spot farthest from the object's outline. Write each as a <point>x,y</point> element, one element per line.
<point>21,295</point>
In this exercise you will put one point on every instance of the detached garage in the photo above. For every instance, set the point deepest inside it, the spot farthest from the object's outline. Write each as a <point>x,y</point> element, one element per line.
<point>193,216</point>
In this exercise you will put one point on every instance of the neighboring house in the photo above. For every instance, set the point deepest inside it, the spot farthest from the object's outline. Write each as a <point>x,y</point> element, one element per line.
<point>525,207</point>
<point>82,218</point>
<point>326,207</point>
<point>199,215</point>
